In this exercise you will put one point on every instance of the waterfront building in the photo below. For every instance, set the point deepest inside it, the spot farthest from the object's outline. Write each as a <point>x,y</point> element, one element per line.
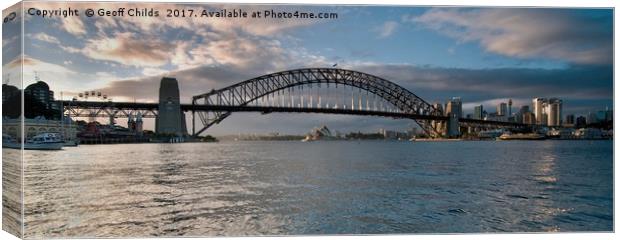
<point>39,125</point>
<point>9,91</point>
<point>604,115</point>
<point>439,125</point>
<point>496,117</point>
<point>591,118</point>
<point>524,109</point>
<point>519,115</point>
<point>478,112</point>
<point>570,120</point>
<point>502,109</point>
<point>439,107</point>
<point>529,118</point>
<point>554,112</point>
<point>548,111</point>
<point>580,122</point>
<point>538,105</point>
<point>454,107</point>
<point>41,92</point>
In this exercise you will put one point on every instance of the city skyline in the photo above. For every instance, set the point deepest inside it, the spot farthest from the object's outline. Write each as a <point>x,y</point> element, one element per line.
<point>436,53</point>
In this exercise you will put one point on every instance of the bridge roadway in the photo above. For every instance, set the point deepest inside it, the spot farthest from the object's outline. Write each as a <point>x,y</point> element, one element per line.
<point>265,110</point>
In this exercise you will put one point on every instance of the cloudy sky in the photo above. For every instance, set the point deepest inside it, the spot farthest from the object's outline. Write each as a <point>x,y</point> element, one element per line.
<point>483,55</point>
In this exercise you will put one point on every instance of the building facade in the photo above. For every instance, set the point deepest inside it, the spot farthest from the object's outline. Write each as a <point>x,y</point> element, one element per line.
<point>538,105</point>
<point>33,127</point>
<point>502,109</point>
<point>454,107</point>
<point>478,112</point>
<point>554,112</point>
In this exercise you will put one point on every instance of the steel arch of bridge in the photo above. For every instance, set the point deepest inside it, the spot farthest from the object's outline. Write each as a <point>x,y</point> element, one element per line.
<point>243,93</point>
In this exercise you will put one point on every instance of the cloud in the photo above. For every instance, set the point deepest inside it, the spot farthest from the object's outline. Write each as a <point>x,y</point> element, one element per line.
<point>32,64</point>
<point>129,49</point>
<point>73,25</point>
<point>387,29</point>
<point>477,85</point>
<point>8,41</point>
<point>192,82</point>
<point>45,38</point>
<point>560,34</point>
<point>153,71</point>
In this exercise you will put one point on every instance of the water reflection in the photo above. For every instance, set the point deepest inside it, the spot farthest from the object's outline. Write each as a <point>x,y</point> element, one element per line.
<point>258,188</point>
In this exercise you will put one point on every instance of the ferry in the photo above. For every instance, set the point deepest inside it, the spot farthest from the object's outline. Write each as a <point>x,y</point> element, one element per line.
<point>437,140</point>
<point>521,136</point>
<point>9,142</point>
<point>44,141</point>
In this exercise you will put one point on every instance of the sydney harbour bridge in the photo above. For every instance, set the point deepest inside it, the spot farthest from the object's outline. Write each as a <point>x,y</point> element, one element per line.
<point>308,90</point>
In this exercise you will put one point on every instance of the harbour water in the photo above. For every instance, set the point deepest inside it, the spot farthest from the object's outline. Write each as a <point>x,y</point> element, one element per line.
<point>329,187</point>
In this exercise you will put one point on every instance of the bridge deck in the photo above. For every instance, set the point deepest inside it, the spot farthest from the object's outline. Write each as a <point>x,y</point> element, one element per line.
<point>263,109</point>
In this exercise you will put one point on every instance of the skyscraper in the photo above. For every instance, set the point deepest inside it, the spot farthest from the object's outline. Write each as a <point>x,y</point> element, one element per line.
<point>519,117</point>
<point>538,104</point>
<point>554,112</point>
<point>478,112</point>
<point>454,107</point>
<point>529,118</point>
<point>502,109</point>
<point>570,120</point>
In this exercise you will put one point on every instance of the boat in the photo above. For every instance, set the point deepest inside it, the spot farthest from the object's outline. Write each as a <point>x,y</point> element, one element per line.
<point>9,142</point>
<point>521,136</point>
<point>44,141</point>
<point>438,139</point>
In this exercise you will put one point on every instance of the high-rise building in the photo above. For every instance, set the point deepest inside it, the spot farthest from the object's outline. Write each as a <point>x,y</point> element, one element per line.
<point>591,118</point>
<point>510,107</point>
<point>554,112</point>
<point>438,125</point>
<point>9,91</point>
<point>454,107</point>
<point>604,115</point>
<point>478,112</point>
<point>580,122</point>
<point>519,116</point>
<point>439,107</point>
<point>538,105</point>
<point>570,120</point>
<point>502,109</point>
<point>529,118</point>
<point>40,91</point>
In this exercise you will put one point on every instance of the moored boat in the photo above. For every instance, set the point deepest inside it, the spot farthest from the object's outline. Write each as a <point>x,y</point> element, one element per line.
<point>44,141</point>
<point>9,142</point>
<point>521,136</point>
